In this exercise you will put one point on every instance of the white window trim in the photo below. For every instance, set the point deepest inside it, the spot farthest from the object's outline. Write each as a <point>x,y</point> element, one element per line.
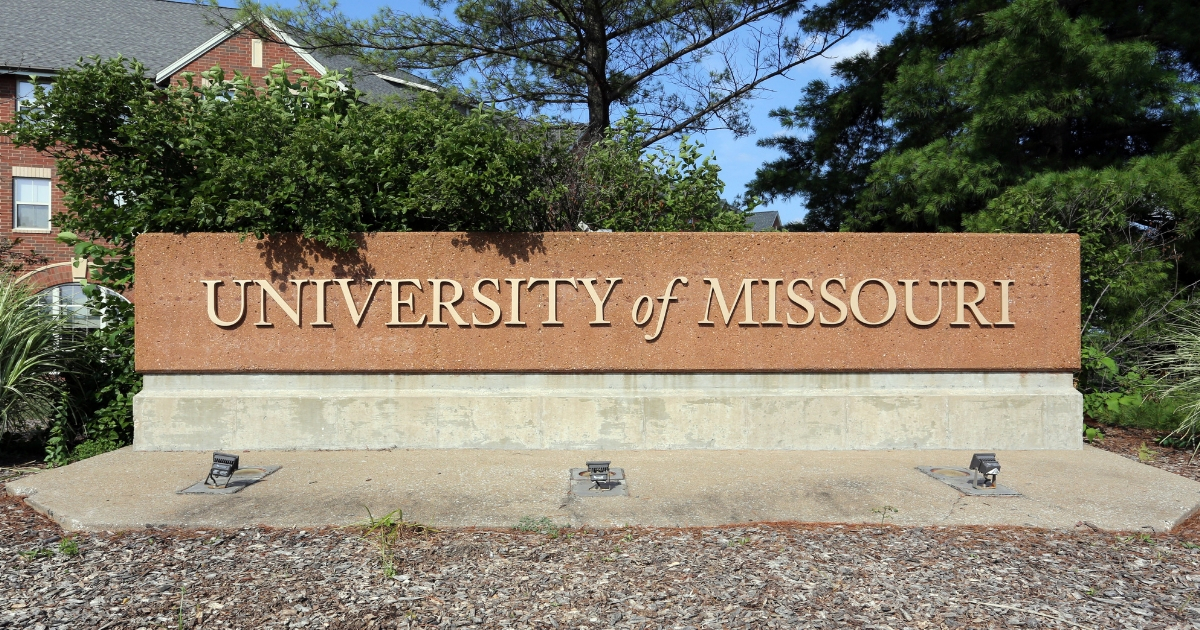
<point>26,80</point>
<point>49,209</point>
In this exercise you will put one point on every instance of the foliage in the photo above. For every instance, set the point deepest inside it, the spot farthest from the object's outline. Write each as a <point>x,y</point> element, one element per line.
<point>1179,363</point>
<point>1038,116</point>
<point>617,185</point>
<point>683,64</point>
<point>307,155</point>
<point>385,531</point>
<point>541,525</point>
<point>35,351</point>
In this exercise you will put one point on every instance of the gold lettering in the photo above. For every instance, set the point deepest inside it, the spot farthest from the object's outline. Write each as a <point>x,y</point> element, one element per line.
<point>891,308</point>
<point>486,301</point>
<point>597,300</point>
<point>908,302</point>
<point>266,289</point>
<point>515,283</point>
<point>771,284</point>
<point>714,288</point>
<point>637,305</point>
<point>355,314</point>
<point>448,305</point>
<point>1004,321</point>
<point>552,297</point>
<point>801,302</point>
<point>667,298</point>
<point>963,304</point>
<point>832,301</point>
<point>321,321</point>
<point>211,286</point>
<point>397,302</point>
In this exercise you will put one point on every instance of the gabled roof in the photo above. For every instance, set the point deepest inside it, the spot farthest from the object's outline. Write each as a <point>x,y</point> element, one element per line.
<point>42,36</point>
<point>226,33</point>
<point>762,221</point>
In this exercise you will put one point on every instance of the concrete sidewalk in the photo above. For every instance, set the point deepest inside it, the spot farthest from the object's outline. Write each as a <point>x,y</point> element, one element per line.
<point>495,488</point>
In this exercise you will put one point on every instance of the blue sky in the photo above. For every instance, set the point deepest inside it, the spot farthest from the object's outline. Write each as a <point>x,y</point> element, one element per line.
<point>738,157</point>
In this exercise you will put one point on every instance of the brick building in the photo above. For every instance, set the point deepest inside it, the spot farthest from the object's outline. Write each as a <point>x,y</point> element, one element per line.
<point>169,38</point>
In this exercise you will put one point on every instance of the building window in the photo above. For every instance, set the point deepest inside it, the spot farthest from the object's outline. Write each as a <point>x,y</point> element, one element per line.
<point>256,50</point>
<point>25,93</point>
<point>69,301</point>
<point>31,201</point>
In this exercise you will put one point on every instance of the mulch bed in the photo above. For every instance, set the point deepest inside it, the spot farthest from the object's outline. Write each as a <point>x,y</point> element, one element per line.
<point>762,576</point>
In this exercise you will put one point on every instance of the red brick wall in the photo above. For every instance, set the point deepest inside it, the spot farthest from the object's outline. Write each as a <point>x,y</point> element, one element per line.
<point>11,156</point>
<point>234,55</point>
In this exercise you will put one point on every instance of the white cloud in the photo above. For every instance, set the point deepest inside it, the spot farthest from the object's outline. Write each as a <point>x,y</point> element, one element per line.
<point>866,42</point>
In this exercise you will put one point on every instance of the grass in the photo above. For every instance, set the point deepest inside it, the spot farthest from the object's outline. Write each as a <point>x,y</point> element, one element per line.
<point>68,547</point>
<point>33,350</point>
<point>541,525</point>
<point>384,531</point>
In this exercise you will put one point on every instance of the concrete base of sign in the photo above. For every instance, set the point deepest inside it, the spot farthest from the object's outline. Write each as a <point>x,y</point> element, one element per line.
<point>681,488</point>
<point>985,411</point>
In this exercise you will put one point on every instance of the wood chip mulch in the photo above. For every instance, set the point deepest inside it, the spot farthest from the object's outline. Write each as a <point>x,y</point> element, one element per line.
<point>762,576</point>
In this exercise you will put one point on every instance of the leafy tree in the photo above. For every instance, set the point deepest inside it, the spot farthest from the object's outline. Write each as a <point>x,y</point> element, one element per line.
<point>682,64</point>
<point>1020,116</point>
<point>308,155</point>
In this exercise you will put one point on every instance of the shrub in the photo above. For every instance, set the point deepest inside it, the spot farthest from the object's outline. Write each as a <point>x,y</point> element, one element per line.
<point>35,352</point>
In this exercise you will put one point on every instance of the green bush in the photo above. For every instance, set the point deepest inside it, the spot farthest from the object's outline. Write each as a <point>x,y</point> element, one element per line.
<point>35,359</point>
<point>99,417</point>
<point>310,155</point>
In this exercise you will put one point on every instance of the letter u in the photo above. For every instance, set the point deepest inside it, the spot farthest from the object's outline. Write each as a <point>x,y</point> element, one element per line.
<point>211,285</point>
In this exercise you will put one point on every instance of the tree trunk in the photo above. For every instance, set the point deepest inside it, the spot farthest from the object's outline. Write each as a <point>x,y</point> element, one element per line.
<point>595,50</point>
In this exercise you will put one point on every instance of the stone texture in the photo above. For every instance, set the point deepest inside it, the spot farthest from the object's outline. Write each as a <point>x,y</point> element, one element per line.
<point>611,411</point>
<point>174,334</point>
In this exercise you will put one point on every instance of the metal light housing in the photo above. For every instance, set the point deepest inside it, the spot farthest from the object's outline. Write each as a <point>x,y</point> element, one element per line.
<point>985,464</point>
<point>223,467</point>
<point>598,472</point>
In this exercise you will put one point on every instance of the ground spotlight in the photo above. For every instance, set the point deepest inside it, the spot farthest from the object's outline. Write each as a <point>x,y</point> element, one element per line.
<point>598,472</point>
<point>985,464</point>
<point>223,467</point>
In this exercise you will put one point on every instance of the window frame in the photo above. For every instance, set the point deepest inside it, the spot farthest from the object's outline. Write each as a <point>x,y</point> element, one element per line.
<point>49,205</point>
<point>78,314</point>
<point>21,102</point>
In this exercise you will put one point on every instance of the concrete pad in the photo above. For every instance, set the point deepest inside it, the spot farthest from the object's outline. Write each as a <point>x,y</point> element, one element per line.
<point>495,488</point>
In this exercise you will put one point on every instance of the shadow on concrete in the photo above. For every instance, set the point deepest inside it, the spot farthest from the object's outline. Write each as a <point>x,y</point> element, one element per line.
<point>514,246</point>
<point>287,254</point>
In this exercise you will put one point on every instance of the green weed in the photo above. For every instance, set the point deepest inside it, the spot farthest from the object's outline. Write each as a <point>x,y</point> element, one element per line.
<point>385,531</point>
<point>68,547</point>
<point>884,512</point>
<point>182,592</point>
<point>541,525</point>
<point>34,554</point>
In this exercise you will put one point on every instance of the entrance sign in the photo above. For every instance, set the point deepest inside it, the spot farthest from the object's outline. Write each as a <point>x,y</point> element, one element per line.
<point>609,341</point>
<point>609,302</point>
